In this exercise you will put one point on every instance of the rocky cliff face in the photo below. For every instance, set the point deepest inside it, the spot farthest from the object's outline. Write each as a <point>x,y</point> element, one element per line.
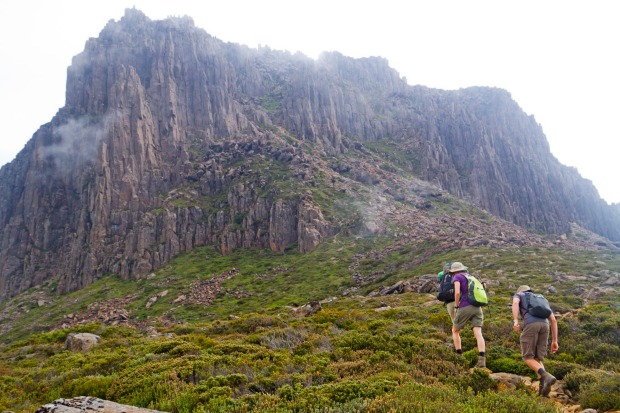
<point>171,139</point>
<point>488,151</point>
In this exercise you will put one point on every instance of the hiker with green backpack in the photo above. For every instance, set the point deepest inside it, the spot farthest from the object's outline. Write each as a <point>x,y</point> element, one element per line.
<point>537,316</point>
<point>445,292</point>
<point>469,297</point>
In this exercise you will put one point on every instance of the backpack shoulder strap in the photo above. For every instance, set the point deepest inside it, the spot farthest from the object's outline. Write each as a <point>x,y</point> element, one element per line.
<point>525,301</point>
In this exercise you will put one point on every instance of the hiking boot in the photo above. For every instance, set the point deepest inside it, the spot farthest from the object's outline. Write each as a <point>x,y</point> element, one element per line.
<point>541,384</point>
<point>547,381</point>
<point>482,362</point>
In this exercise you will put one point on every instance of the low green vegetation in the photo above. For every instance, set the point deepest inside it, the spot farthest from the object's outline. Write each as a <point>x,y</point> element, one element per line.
<point>396,156</point>
<point>247,348</point>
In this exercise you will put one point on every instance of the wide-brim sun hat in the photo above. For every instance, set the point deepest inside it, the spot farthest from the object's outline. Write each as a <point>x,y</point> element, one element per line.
<point>523,289</point>
<point>457,266</point>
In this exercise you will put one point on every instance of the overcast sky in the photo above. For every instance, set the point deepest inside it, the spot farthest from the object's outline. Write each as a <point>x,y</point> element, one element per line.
<point>558,58</point>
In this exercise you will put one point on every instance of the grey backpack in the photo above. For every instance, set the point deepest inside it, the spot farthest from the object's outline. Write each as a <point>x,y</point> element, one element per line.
<point>537,305</point>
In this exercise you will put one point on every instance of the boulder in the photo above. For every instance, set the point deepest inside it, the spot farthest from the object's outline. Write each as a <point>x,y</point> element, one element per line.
<point>81,341</point>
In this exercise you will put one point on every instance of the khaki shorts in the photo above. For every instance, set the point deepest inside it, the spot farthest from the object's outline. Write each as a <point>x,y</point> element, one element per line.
<point>450,308</point>
<point>468,313</point>
<point>534,341</point>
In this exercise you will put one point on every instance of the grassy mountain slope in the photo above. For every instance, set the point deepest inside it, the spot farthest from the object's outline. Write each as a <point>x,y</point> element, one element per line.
<point>226,334</point>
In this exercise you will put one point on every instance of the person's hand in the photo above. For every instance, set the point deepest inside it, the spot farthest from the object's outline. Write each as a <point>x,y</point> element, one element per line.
<point>516,328</point>
<point>554,346</point>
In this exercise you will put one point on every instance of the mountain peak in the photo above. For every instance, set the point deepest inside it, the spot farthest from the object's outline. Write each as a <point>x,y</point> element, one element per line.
<point>171,139</point>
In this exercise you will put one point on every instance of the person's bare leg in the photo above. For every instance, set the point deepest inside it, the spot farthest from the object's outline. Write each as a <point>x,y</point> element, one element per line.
<point>534,365</point>
<point>456,338</point>
<point>482,359</point>
<point>479,339</point>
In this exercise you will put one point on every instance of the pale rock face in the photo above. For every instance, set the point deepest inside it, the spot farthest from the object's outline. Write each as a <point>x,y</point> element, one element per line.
<point>90,404</point>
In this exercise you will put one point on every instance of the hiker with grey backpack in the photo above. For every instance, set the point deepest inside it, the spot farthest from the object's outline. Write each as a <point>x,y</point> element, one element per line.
<point>538,319</point>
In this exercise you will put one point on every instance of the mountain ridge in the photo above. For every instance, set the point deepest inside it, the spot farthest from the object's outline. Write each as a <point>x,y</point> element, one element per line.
<point>172,139</point>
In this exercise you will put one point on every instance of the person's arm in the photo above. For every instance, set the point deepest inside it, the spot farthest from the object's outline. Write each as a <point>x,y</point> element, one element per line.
<point>554,333</point>
<point>515,314</point>
<point>457,295</point>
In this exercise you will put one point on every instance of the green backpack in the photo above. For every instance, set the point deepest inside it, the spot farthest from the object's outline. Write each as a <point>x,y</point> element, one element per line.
<point>476,295</point>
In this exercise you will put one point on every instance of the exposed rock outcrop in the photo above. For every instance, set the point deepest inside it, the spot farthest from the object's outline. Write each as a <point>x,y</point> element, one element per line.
<point>90,404</point>
<point>307,310</point>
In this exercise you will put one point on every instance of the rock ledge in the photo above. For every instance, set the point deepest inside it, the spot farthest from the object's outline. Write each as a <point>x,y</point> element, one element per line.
<point>90,404</point>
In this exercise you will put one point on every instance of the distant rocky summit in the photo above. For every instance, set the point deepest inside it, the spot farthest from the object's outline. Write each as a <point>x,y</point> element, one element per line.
<point>172,139</point>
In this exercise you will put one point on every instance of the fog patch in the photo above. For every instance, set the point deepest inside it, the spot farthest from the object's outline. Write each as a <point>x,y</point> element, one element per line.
<point>369,214</point>
<point>76,143</point>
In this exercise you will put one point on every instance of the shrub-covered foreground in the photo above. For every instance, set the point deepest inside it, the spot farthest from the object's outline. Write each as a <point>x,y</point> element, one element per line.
<point>348,357</point>
<point>245,350</point>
